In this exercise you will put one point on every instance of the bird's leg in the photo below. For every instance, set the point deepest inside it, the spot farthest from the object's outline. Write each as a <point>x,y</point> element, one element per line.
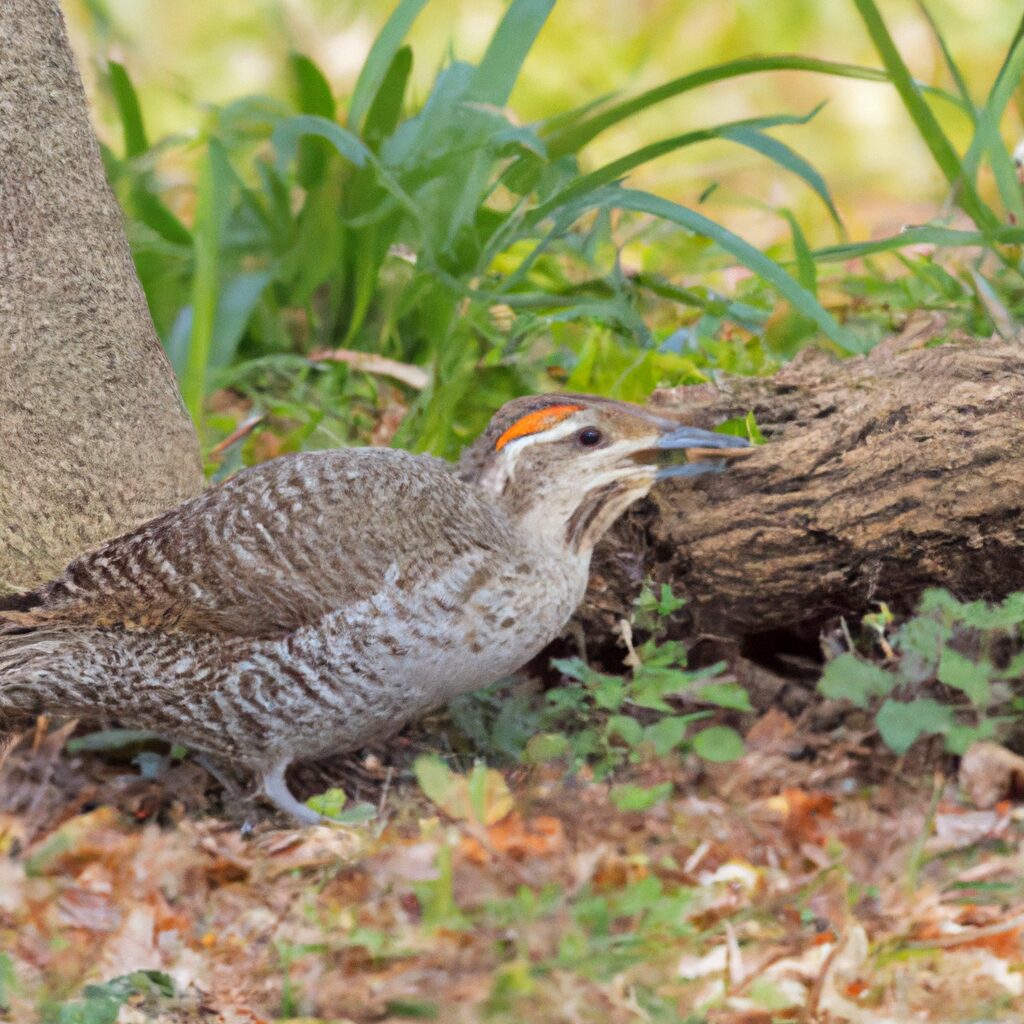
<point>225,773</point>
<point>277,792</point>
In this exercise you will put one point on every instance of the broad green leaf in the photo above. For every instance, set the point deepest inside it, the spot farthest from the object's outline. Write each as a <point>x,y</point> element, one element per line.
<point>435,778</point>
<point>101,1004</point>
<point>667,734</point>
<point>920,642</point>
<point>330,803</point>
<point>608,692</point>
<point>238,299</point>
<point>546,746</point>
<point>718,743</point>
<point>960,737</point>
<point>638,798</point>
<point>653,683</point>
<point>970,677</point>
<point>851,678</point>
<point>1008,614</point>
<point>901,724</point>
<point>724,695</point>
<point>742,426</point>
<point>627,728</point>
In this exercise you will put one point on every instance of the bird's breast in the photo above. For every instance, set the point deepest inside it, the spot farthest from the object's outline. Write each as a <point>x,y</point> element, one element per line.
<point>456,630</point>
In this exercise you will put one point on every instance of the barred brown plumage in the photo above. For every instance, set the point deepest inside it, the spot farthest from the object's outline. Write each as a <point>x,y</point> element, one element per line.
<point>319,601</point>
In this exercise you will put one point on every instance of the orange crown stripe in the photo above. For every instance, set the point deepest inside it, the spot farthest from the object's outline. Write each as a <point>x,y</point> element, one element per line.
<point>535,422</point>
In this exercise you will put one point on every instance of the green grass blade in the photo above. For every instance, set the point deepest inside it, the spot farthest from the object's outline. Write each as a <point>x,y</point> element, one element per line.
<point>128,110</point>
<point>386,109</point>
<point>987,137</point>
<point>947,56</point>
<point>617,168</point>
<point>314,97</point>
<point>924,120</point>
<point>1002,319</point>
<point>753,259</point>
<point>379,59</point>
<point>576,136</point>
<point>786,157</point>
<point>498,70</point>
<point>212,206</point>
<point>314,91</point>
<point>289,131</point>
<point>948,238</point>
<point>806,268</point>
<point>746,254</point>
<point>152,211</point>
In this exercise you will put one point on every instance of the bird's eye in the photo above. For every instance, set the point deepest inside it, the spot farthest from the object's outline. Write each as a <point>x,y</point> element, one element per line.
<point>588,437</point>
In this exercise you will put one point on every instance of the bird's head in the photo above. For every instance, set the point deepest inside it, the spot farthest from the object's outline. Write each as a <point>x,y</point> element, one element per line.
<point>567,466</point>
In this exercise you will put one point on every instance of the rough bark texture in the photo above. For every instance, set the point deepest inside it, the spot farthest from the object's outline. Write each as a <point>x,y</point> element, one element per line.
<point>95,438</point>
<point>884,475</point>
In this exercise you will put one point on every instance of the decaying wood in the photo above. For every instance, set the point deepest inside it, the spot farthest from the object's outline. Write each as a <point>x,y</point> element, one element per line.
<point>884,475</point>
<point>95,438</point>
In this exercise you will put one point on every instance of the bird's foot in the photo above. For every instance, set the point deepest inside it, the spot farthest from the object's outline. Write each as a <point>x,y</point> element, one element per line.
<point>277,792</point>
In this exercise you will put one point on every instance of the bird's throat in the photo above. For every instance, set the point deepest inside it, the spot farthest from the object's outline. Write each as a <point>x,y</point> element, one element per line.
<point>598,510</point>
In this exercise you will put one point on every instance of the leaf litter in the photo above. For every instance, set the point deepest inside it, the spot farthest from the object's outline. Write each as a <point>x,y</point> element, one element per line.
<point>769,889</point>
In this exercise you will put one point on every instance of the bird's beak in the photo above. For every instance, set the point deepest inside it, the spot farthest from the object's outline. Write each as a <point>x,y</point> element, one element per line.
<point>689,451</point>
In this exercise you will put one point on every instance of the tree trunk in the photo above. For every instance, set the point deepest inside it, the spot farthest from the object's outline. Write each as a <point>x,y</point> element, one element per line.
<point>883,475</point>
<point>95,437</point>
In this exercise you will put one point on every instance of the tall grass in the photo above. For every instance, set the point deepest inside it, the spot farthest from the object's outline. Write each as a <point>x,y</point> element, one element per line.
<point>446,235</point>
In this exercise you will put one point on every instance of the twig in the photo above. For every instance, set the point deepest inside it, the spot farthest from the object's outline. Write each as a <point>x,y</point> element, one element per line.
<point>969,935</point>
<point>242,430</point>
<point>369,362</point>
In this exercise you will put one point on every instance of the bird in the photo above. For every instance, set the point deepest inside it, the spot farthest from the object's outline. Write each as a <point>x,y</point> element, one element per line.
<point>317,602</point>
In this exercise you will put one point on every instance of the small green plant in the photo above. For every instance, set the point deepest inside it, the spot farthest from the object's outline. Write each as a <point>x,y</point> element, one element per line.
<point>101,1004</point>
<point>606,720</point>
<point>948,671</point>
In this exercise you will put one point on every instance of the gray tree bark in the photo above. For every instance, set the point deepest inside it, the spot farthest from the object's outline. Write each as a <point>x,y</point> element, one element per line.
<point>94,435</point>
<point>883,475</point>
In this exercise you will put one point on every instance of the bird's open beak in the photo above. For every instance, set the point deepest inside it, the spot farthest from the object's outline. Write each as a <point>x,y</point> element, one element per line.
<point>689,451</point>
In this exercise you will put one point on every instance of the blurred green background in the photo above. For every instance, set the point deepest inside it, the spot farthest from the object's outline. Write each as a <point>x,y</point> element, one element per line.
<point>466,227</point>
<point>192,52</point>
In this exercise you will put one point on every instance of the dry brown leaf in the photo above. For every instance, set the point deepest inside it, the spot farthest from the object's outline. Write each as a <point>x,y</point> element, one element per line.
<point>521,840</point>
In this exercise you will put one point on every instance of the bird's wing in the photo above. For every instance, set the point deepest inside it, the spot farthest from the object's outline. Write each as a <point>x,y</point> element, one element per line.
<point>275,548</point>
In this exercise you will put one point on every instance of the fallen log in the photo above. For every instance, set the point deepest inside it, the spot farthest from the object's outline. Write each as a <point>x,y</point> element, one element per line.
<point>884,474</point>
